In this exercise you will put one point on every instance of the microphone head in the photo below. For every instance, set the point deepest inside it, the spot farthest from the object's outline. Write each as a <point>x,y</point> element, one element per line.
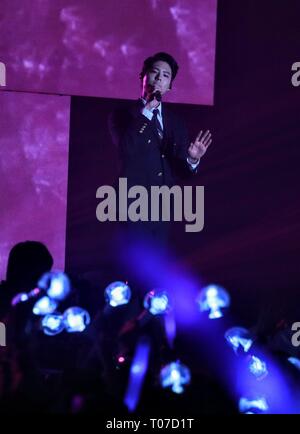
<point>157,95</point>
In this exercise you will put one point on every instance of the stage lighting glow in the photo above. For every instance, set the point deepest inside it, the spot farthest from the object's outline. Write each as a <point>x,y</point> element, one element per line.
<point>19,298</point>
<point>44,306</point>
<point>157,302</point>
<point>258,367</point>
<point>239,339</point>
<point>117,294</point>
<point>137,373</point>
<point>213,298</point>
<point>175,375</point>
<point>294,361</point>
<point>251,406</point>
<point>56,284</point>
<point>52,324</point>
<point>76,319</point>
<point>170,328</point>
<point>34,292</point>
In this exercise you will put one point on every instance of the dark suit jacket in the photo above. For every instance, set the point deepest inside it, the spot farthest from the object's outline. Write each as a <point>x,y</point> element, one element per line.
<point>146,160</point>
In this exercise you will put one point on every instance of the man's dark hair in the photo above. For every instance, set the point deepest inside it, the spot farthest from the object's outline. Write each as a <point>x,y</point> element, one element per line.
<point>165,57</point>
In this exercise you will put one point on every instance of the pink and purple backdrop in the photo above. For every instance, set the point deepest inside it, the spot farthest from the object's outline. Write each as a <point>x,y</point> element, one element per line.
<point>92,48</point>
<point>96,48</point>
<point>34,144</point>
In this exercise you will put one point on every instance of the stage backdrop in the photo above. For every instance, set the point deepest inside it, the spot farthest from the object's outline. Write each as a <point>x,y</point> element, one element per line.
<point>34,149</point>
<point>69,47</point>
<point>96,47</point>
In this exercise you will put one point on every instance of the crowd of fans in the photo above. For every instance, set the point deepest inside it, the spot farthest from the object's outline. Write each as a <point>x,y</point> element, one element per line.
<point>81,372</point>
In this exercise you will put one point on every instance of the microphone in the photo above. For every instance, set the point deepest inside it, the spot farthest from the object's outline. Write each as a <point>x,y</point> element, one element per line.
<point>157,95</point>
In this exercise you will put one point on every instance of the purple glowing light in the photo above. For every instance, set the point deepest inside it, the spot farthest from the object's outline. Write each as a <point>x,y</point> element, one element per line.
<point>137,374</point>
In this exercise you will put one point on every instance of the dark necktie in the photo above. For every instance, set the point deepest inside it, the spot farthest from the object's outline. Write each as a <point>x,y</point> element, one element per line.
<point>157,123</point>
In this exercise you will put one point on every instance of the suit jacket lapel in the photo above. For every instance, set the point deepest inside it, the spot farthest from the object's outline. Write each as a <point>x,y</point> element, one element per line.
<point>167,123</point>
<point>136,110</point>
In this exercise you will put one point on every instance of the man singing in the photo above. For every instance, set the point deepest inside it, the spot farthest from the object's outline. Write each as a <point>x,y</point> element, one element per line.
<point>153,142</point>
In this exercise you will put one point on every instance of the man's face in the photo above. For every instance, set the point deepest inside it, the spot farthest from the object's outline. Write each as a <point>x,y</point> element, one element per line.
<point>157,78</point>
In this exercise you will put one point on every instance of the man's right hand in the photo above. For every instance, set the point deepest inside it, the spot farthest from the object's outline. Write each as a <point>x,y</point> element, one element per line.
<point>152,102</point>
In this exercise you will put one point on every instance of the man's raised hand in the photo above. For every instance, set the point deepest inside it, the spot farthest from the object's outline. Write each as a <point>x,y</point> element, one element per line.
<point>198,148</point>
